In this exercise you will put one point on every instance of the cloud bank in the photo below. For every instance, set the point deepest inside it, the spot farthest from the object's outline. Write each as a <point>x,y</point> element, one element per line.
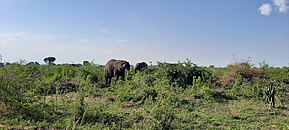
<point>280,5</point>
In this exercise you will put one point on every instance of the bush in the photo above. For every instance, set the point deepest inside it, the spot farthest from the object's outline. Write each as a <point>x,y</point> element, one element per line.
<point>241,70</point>
<point>182,74</point>
<point>16,92</point>
<point>200,90</point>
<point>164,96</point>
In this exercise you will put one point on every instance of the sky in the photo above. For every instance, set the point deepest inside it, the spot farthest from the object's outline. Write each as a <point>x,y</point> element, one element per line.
<point>206,32</point>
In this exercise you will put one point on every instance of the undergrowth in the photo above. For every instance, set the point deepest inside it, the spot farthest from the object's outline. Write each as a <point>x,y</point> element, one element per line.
<point>163,96</point>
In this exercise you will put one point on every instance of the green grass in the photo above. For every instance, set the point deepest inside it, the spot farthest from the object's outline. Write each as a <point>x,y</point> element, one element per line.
<point>152,99</point>
<point>195,113</point>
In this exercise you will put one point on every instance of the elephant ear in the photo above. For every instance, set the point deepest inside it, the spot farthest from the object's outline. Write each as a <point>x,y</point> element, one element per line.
<point>125,65</point>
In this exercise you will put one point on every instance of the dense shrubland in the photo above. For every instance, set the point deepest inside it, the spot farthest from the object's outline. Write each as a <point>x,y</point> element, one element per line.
<point>163,96</point>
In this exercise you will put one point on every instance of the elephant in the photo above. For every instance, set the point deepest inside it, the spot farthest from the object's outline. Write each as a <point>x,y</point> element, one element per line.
<point>115,68</point>
<point>140,66</point>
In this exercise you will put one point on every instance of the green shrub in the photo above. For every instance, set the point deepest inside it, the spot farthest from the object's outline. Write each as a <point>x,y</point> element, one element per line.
<point>182,74</point>
<point>200,89</point>
<point>164,96</point>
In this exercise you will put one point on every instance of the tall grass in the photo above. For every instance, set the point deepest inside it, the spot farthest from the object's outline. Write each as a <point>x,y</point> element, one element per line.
<point>164,96</point>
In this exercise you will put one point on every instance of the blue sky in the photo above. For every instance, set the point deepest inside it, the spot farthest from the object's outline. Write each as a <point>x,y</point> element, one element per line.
<point>206,32</point>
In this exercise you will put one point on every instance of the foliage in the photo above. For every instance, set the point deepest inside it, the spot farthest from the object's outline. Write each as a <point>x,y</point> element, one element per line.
<point>240,70</point>
<point>163,96</point>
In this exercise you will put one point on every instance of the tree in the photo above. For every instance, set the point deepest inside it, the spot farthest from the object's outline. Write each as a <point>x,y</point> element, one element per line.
<point>49,60</point>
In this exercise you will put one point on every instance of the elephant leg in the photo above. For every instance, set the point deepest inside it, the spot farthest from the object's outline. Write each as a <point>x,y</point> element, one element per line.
<point>106,80</point>
<point>122,77</point>
<point>109,80</point>
<point>116,78</point>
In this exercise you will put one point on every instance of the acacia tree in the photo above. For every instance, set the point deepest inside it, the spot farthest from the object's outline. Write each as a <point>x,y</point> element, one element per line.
<point>49,60</point>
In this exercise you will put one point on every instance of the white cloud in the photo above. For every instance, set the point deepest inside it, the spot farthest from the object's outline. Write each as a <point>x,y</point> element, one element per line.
<point>281,5</point>
<point>265,9</point>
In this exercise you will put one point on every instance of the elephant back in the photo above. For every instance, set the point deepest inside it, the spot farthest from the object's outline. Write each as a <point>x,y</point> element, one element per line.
<point>115,65</point>
<point>109,67</point>
<point>121,65</point>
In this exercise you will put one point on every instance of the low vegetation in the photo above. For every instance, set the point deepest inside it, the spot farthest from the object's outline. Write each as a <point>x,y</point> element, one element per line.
<point>163,96</point>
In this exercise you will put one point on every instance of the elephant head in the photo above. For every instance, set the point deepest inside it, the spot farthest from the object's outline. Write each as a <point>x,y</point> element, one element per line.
<point>140,66</point>
<point>115,68</point>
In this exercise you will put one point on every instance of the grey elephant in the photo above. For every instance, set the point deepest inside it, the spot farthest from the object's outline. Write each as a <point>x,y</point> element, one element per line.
<point>140,66</point>
<point>115,68</point>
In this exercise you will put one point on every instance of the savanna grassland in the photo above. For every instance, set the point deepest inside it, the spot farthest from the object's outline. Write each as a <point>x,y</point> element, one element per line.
<point>162,96</point>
